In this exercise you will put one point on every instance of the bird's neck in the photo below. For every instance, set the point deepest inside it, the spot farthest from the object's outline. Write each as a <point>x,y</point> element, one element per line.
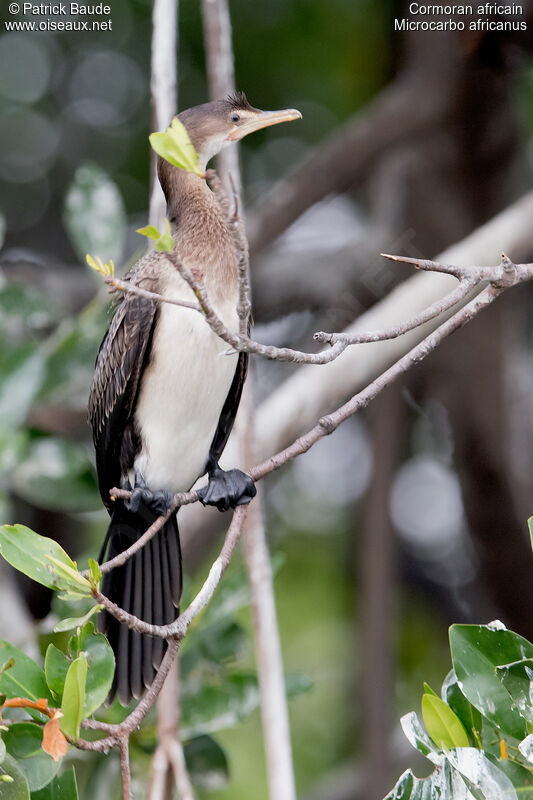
<point>202,236</point>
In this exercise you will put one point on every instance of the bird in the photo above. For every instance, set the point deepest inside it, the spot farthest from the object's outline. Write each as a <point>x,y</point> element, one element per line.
<point>165,394</point>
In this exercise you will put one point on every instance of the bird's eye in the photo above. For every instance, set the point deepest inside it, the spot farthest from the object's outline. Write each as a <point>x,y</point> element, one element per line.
<point>235,117</point>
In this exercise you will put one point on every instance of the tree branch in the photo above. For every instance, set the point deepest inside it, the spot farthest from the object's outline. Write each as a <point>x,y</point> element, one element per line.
<point>325,426</point>
<point>504,274</point>
<point>300,399</point>
<point>162,87</point>
<point>274,710</point>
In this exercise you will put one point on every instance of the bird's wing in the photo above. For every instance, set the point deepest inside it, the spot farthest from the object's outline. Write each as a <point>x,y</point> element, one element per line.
<point>229,410</point>
<point>119,364</point>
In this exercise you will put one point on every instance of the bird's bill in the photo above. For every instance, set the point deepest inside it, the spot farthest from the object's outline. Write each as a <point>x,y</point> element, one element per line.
<point>263,119</point>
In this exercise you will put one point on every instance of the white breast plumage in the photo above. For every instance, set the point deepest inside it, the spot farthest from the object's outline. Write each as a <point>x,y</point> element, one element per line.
<point>182,394</point>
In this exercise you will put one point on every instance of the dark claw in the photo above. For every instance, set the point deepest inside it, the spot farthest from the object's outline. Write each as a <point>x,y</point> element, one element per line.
<point>159,502</point>
<point>227,489</point>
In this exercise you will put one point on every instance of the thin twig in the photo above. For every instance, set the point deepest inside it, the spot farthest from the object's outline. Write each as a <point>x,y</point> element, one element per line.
<point>434,310</point>
<point>176,756</point>
<point>504,274</point>
<point>116,284</point>
<point>179,627</point>
<point>134,719</point>
<point>325,426</point>
<point>125,766</point>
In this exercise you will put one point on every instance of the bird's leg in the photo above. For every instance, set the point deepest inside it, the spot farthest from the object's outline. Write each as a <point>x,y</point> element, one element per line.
<point>226,489</point>
<point>159,502</point>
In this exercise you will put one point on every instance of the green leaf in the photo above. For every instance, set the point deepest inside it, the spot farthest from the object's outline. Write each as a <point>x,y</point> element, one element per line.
<point>96,572</point>
<point>7,665</point>
<point>99,266</point>
<point>207,763</point>
<point>429,690</point>
<point>483,778</point>
<point>17,788</point>
<point>24,743</point>
<point>56,666</point>
<point>101,669</point>
<point>297,683</point>
<point>175,146</point>
<point>41,559</point>
<point>94,214</point>
<point>70,361</point>
<point>73,701</point>
<point>477,650</point>
<point>442,784</point>
<point>418,737</point>
<point>62,787</point>
<point>76,622</point>
<point>467,713</point>
<point>57,475</point>
<point>164,243</point>
<point>25,311</point>
<point>13,448</point>
<point>150,231</point>
<point>25,678</point>
<point>518,680</point>
<point>214,707</point>
<point>224,641</point>
<point>444,727</point>
<point>21,376</point>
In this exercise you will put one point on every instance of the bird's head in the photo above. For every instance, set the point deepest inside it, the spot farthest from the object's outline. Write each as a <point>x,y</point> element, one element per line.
<point>213,126</point>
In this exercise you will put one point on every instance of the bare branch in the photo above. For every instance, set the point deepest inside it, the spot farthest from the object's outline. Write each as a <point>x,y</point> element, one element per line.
<point>162,87</point>
<point>176,757</point>
<point>116,284</point>
<point>504,274</point>
<point>216,22</point>
<point>274,710</point>
<point>434,310</point>
<point>294,406</point>
<point>133,720</point>
<point>125,766</point>
<point>325,426</point>
<point>179,627</point>
<point>168,762</point>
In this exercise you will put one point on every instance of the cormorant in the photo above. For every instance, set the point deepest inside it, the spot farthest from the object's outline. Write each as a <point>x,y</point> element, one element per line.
<point>164,398</point>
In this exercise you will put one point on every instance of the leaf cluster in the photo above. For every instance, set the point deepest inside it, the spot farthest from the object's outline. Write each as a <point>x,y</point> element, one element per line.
<point>218,690</point>
<point>479,732</point>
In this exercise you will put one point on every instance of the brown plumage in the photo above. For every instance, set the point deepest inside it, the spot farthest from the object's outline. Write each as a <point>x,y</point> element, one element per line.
<point>164,396</point>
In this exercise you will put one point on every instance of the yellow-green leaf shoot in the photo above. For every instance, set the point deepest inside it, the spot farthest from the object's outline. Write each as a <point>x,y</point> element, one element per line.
<point>175,146</point>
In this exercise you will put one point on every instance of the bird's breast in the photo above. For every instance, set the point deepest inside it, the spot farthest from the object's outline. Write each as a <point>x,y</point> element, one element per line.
<point>183,391</point>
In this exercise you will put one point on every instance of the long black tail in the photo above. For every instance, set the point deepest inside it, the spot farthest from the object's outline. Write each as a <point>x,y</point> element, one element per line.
<point>148,586</point>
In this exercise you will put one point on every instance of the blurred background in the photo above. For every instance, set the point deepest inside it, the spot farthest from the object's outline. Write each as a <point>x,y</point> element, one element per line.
<point>413,515</point>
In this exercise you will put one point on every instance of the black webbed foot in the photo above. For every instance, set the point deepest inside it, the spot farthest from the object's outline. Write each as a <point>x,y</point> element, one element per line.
<point>159,502</point>
<point>227,489</point>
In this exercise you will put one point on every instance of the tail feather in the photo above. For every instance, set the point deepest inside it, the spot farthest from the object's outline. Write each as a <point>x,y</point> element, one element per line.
<point>148,586</point>
<point>148,671</point>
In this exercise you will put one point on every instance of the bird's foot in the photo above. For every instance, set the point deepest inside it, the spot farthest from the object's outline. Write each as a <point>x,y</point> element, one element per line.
<point>159,502</point>
<point>227,489</point>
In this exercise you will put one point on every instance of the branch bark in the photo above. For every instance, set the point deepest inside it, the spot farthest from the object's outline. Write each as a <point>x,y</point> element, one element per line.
<point>294,406</point>
<point>162,87</point>
<point>274,712</point>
